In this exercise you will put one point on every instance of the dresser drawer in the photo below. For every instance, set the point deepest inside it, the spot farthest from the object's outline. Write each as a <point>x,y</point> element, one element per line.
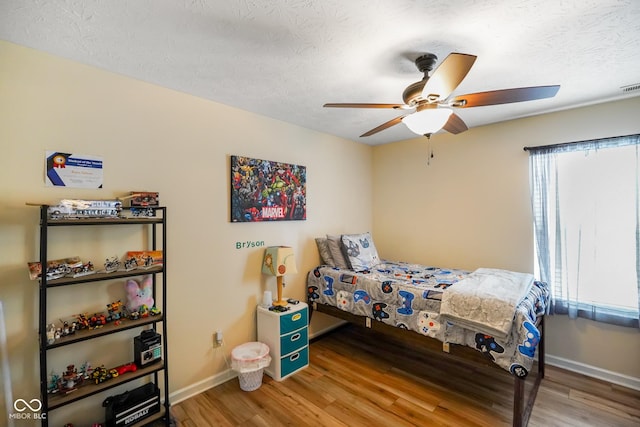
<point>294,341</point>
<point>287,335</point>
<point>291,321</point>
<point>295,361</point>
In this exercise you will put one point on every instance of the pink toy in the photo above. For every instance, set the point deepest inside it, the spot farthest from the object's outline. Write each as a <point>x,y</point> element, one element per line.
<point>139,294</point>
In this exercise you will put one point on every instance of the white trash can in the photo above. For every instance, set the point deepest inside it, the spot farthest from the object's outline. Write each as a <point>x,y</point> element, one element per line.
<point>249,360</point>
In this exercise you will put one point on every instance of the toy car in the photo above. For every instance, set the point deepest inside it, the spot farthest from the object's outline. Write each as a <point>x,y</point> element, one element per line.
<point>129,367</point>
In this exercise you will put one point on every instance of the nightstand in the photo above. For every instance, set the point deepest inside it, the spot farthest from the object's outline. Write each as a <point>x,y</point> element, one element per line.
<point>287,335</point>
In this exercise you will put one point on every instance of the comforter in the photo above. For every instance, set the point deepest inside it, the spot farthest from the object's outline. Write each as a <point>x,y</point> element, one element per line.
<point>410,296</point>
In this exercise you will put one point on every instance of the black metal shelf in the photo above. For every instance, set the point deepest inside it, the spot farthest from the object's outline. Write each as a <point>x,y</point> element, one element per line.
<point>103,221</point>
<point>109,328</point>
<point>57,400</point>
<point>157,241</point>
<point>98,276</point>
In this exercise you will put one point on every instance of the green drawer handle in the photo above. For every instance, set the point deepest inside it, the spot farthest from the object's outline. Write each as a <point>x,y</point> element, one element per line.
<point>294,357</point>
<point>296,317</point>
<point>295,337</point>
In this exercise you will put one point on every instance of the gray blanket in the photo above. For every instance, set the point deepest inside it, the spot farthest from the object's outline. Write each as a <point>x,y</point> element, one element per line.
<point>486,300</point>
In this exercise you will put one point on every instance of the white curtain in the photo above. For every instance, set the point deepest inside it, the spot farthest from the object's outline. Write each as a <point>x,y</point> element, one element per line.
<point>586,209</point>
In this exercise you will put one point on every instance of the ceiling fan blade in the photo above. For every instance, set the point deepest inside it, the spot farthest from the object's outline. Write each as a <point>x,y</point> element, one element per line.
<point>455,124</point>
<point>383,126</point>
<point>504,96</point>
<point>448,75</point>
<point>357,105</point>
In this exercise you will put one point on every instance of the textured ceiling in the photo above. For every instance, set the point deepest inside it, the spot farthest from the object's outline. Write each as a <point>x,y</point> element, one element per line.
<point>285,58</point>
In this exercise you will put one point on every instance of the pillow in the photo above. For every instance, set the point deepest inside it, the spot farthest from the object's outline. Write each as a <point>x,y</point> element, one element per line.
<point>323,250</point>
<point>361,252</point>
<point>335,248</point>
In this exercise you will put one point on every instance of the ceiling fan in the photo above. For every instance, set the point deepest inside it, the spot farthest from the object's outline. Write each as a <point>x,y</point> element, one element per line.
<point>431,102</point>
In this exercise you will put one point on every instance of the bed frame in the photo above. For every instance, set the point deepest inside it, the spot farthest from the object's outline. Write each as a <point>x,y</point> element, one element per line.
<point>522,405</point>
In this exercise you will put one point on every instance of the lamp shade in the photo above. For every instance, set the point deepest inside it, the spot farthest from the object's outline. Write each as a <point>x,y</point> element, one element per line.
<point>278,261</point>
<point>427,121</point>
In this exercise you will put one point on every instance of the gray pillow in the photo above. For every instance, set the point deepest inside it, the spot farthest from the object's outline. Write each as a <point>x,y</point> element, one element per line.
<point>323,250</point>
<point>335,247</point>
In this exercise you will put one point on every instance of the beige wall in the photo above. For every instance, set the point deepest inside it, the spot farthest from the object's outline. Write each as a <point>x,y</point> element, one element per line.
<point>155,139</point>
<point>470,208</point>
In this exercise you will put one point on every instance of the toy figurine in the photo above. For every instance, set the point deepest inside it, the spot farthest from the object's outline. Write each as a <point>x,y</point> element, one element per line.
<point>69,328</point>
<point>57,271</point>
<point>86,370</point>
<point>100,374</point>
<point>98,320</point>
<point>83,321</point>
<point>70,380</point>
<point>81,269</point>
<point>131,263</point>
<point>111,264</point>
<point>114,310</point>
<point>148,212</point>
<point>148,261</point>
<point>51,334</point>
<point>54,383</point>
<point>144,311</point>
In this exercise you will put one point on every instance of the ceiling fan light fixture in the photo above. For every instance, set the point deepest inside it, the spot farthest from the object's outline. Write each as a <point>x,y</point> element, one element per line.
<point>427,121</point>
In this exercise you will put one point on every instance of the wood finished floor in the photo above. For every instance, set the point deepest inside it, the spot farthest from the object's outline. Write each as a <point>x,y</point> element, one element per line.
<point>357,378</point>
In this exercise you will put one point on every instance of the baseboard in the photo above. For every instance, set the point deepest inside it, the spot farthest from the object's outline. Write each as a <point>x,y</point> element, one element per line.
<point>201,386</point>
<point>592,371</point>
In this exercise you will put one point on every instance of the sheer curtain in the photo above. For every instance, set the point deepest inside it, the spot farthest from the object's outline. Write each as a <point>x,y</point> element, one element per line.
<point>586,209</point>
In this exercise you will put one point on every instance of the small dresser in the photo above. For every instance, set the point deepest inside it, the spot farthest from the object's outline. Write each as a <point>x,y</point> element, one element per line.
<point>287,335</point>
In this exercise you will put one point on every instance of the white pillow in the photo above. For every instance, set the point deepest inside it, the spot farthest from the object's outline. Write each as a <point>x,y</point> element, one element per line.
<point>360,250</point>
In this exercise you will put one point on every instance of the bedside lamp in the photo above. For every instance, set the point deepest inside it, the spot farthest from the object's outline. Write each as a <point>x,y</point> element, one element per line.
<point>278,261</point>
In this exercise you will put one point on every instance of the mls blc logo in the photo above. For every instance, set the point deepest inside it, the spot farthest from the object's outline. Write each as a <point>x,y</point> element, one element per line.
<point>27,410</point>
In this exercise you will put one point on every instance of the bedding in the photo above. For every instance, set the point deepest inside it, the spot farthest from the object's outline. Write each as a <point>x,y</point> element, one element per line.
<point>486,300</point>
<point>411,296</point>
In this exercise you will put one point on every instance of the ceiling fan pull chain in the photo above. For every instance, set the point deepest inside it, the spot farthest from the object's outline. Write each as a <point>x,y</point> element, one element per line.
<point>429,149</point>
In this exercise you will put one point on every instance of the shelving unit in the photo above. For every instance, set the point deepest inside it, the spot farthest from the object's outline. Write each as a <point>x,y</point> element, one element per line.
<point>156,370</point>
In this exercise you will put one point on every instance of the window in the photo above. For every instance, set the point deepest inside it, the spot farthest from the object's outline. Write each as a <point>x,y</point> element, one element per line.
<point>585,199</point>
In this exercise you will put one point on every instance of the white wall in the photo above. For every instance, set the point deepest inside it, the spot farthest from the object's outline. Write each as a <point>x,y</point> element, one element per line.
<point>160,140</point>
<point>470,208</point>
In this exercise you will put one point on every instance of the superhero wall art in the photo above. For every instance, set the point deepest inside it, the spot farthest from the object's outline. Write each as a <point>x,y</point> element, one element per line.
<point>263,190</point>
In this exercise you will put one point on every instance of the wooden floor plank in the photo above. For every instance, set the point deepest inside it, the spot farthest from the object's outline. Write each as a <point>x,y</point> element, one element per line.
<point>358,379</point>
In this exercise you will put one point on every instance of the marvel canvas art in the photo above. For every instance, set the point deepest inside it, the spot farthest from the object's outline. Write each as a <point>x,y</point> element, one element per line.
<point>264,190</point>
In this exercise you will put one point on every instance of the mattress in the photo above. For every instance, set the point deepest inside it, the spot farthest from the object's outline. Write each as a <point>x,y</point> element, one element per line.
<point>409,296</point>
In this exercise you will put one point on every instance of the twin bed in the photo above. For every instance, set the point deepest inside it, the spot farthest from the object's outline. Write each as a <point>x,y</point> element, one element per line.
<point>494,313</point>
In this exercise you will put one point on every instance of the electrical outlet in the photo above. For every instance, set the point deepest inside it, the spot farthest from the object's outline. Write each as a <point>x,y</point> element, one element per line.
<point>217,339</point>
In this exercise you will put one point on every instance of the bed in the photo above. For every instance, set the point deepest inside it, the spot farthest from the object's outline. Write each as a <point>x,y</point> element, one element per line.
<point>487,315</point>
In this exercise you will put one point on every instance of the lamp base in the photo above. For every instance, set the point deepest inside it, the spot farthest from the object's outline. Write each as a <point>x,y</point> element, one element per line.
<point>281,302</point>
